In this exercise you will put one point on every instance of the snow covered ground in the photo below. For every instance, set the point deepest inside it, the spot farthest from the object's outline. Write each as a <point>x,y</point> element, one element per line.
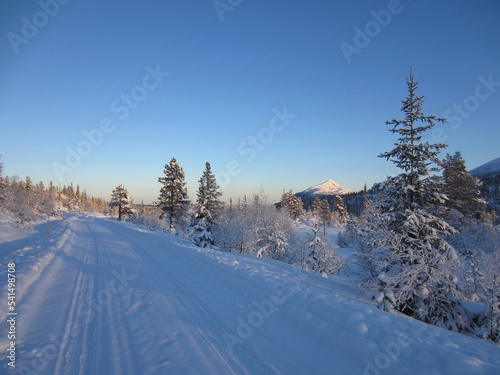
<point>95,296</point>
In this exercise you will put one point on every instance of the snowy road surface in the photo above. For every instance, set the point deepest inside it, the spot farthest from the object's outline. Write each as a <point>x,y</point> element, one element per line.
<point>99,297</point>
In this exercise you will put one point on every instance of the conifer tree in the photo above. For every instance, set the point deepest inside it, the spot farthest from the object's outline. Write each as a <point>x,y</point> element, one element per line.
<point>462,190</point>
<point>208,209</point>
<point>293,205</point>
<point>173,193</point>
<point>120,198</point>
<point>321,209</point>
<point>340,209</point>
<point>419,276</point>
<point>209,194</point>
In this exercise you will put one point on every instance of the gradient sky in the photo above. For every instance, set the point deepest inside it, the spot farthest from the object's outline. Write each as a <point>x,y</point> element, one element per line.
<point>274,94</point>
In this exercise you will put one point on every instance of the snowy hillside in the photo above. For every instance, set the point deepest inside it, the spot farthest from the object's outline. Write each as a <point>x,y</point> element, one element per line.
<point>327,188</point>
<point>486,169</point>
<point>95,296</point>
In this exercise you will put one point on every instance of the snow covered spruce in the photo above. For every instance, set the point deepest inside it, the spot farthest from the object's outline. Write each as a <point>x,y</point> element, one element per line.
<point>404,239</point>
<point>173,200</point>
<point>207,211</point>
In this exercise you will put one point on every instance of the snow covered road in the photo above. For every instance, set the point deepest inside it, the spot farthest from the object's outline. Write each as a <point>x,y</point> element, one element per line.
<point>101,297</point>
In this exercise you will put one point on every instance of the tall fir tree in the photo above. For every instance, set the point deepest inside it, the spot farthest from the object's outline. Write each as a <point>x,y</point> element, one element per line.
<point>173,193</point>
<point>120,198</point>
<point>419,278</point>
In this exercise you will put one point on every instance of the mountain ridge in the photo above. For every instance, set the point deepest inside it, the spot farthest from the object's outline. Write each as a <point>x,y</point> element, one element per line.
<point>486,169</point>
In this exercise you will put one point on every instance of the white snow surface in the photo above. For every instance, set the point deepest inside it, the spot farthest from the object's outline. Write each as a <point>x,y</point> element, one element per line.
<point>96,296</point>
<point>329,187</point>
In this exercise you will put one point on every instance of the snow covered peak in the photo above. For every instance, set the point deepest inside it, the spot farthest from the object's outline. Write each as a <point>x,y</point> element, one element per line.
<point>329,187</point>
<point>488,168</point>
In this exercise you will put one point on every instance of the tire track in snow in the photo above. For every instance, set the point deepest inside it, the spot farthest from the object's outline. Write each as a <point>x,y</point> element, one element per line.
<point>192,309</point>
<point>111,318</point>
<point>192,312</point>
<point>76,327</point>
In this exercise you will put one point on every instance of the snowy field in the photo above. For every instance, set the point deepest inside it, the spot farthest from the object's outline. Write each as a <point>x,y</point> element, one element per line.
<point>95,296</point>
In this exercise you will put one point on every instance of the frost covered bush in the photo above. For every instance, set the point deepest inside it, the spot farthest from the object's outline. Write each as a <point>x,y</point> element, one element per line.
<point>150,219</point>
<point>255,228</point>
<point>321,255</point>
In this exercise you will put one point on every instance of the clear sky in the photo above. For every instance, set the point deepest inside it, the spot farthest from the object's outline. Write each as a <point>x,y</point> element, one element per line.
<point>274,94</point>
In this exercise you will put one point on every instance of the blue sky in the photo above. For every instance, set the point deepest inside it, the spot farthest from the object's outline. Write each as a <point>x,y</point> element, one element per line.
<point>275,95</point>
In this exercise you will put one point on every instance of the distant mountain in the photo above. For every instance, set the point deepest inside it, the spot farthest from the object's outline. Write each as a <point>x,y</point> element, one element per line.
<point>327,188</point>
<point>489,174</point>
<point>489,168</point>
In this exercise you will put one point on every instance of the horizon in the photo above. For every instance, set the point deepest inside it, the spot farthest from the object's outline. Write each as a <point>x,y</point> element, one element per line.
<point>275,97</point>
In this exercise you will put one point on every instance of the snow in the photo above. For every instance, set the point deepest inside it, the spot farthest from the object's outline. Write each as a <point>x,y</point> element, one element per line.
<point>97,296</point>
<point>10,230</point>
<point>328,187</point>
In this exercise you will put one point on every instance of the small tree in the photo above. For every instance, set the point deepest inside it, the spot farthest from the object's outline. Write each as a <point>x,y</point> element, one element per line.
<point>462,190</point>
<point>492,288</point>
<point>121,199</point>
<point>368,240</point>
<point>173,193</point>
<point>322,257</point>
<point>339,209</point>
<point>292,205</point>
<point>208,209</point>
<point>270,229</point>
<point>321,209</point>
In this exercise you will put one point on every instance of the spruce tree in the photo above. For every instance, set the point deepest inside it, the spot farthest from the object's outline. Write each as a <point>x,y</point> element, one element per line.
<point>208,209</point>
<point>120,198</point>
<point>321,209</point>
<point>209,194</point>
<point>340,209</point>
<point>462,190</point>
<point>418,277</point>
<point>292,205</point>
<point>173,193</point>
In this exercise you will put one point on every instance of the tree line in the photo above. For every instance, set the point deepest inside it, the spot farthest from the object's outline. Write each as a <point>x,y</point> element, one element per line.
<point>25,199</point>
